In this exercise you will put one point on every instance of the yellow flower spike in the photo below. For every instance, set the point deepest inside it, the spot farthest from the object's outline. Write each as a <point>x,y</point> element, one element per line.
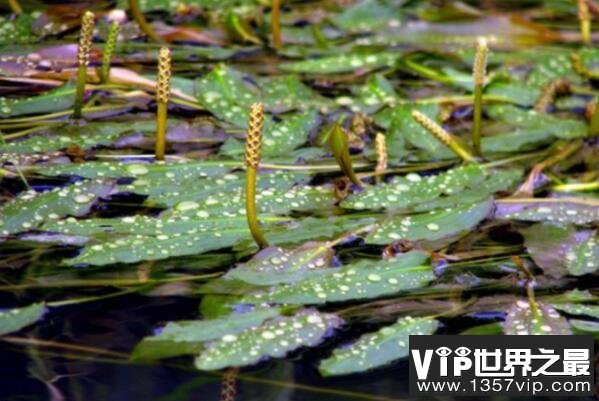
<point>380,145</point>
<point>549,92</point>
<point>478,76</point>
<point>275,23</point>
<point>83,52</point>
<point>584,16</point>
<point>113,34</point>
<point>145,27</point>
<point>443,136</point>
<point>15,6</point>
<point>340,149</point>
<point>253,146</point>
<point>163,93</point>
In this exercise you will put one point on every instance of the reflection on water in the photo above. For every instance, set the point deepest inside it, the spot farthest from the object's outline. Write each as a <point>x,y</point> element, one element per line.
<point>41,373</point>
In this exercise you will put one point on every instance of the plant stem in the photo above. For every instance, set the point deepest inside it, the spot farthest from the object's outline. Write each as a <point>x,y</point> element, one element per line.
<point>253,146</point>
<point>163,90</point>
<point>340,149</point>
<point>584,17</point>
<point>594,123</point>
<point>15,6</point>
<point>108,52</point>
<point>275,23</point>
<point>142,22</point>
<point>381,156</point>
<point>478,74</point>
<point>85,42</point>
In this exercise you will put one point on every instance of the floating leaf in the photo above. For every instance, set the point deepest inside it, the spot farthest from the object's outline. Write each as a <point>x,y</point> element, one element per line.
<point>17,31</point>
<point>553,210</point>
<point>562,249</point>
<point>186,337</point>
<point>61,98</point>
<point>413,189</point>
<point>30,209</point>
<point>539,319</point>
<point>578,309</point>
<point>342,63</point>
<point>15,319</point>
<point>360,280</point>
<point>377,349</point>
<point>274,338</point>
<point>434,225</point>
<point>366,16</point>
<point>275,265</point>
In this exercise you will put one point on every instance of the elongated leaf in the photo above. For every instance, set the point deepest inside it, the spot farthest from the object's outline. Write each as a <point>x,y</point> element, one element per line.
<point>377,349</point>
<point>367,16</point>
<point>186,337</point>
<point>16,319</point>
<point>524,319</point>
<point>30,209</point>
<point>274,338</point>
<point>558,211</point>
<point>414,189</point>
<point>275,265</point>
<point>361,280</point>
<point>58,99</point>
<point>342,63</point>
<point>578,309</point>
<point>430,226</point>
<point>562,249</point>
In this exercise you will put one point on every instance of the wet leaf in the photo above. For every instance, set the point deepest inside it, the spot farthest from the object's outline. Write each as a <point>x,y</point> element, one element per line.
<point>377,349</point>
<point>434,225</point>
<point>342,63</point>
<point>275,265</point>
<point>578,309</point>
<point>274,338</point>
<point>369,15</point>
<point>541,319</point>
<point>15,319</point>
<point>360,280</point>
<point>186,337</point>
<point>560,250</point>
<point>578,211</point>
<point>59,99</point>
<point>31,209</point>
<point>17,30</point>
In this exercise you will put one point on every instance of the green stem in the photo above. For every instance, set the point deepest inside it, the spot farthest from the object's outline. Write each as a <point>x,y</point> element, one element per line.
<point>594,123</point>
<point>145,27</point>
<point>476,119</point>
<point>80,90</point>
<point>250,207</point>
<point>275,24</point>
<point>15,6</point>
<point>161,115</point>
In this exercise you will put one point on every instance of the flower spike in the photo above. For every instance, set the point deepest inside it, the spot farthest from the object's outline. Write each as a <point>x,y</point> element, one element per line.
<point>163,93</point>
<point>478,76</point>
<point>83,52</point>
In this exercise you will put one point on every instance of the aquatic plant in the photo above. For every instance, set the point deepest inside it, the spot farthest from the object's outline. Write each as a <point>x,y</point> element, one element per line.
<point>141,21</point>
<point>109,47</point>
<point>478,77</point>
<point>275,23</point>
<point>253,145</point>
<point>163,94</point>
<point>340,148</point>
<point>584,17</point>
<point>83,54</point>
<point>380,145</point>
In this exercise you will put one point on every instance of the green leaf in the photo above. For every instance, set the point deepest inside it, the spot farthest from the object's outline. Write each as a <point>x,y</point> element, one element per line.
<point>17,31</point>
<point>376,93</point>
<point>16,319</point>
<point>59,99</point>
<point>186,337</point>
<point>30,209</point>
<point>526,319</point>
<point>274,338</point>
<point>577,211</point>
<point>578,309</point>
<point>288,92</point>
<point>434,225</point>
<point>275,265</point>
<point>562,249</point>
<point>377,349</point>
<point>413,189</point>
<point>368,16</point>
<point>57,138</point>
<point>342,63</point>
<point>360,280</point>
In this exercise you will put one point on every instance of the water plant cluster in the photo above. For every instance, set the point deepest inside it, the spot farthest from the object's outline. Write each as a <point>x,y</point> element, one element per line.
<point>315,174</point>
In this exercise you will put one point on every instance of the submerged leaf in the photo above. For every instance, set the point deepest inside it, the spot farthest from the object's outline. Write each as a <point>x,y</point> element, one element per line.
<point>377,349</point>
<point>274,338</point>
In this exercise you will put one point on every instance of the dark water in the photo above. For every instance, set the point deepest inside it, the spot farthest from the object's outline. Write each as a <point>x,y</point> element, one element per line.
<point>41,372</point>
